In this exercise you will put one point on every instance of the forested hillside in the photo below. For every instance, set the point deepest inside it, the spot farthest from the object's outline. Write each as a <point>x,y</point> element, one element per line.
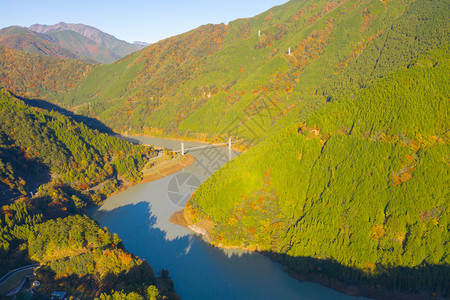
<point>30,75</point>
<point>76,255</point>
<point>358,192</point>
<point>241,77</point>
<point>49,154</point>
<point>51,169</point>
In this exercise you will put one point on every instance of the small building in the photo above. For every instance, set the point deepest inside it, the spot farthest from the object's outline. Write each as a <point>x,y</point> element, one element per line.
<point>58,295</point>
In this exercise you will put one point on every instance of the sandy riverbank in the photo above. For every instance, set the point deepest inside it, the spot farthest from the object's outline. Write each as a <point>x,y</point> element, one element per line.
<point>161,171</point>
<point>168,168</point>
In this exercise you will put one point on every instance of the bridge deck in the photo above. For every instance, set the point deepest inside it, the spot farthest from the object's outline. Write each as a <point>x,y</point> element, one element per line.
<point>200,147</point>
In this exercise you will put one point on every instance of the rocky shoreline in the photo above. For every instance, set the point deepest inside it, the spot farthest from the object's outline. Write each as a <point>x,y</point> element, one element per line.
<point>179,219</point>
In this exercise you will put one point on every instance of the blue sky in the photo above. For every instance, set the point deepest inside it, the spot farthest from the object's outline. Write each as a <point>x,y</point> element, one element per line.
<point>141,20</point>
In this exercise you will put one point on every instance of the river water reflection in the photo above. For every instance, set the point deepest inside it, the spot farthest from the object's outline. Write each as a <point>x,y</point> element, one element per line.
<point>140,216</point>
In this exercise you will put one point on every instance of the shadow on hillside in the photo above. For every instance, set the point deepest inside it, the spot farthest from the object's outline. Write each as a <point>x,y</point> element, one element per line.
<point>423,282</point>
<point>33,171</point>
<point>141,231</point>
<point>88,121</point>
<point>6,194</point>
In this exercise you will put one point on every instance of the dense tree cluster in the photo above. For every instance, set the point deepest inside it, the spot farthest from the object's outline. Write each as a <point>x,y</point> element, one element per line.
<point>77,247</point>
<point>76,255</point>
<point>32,75</point>
<point>16,224</point>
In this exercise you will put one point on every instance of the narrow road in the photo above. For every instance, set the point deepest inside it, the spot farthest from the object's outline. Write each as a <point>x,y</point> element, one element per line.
<point>11,273</point>
<point>160,153</point>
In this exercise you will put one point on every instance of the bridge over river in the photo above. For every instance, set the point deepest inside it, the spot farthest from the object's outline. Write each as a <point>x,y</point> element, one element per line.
<point>185,150</point>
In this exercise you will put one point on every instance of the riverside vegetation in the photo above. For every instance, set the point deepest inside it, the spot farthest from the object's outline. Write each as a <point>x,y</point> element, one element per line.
<point>347,104</point>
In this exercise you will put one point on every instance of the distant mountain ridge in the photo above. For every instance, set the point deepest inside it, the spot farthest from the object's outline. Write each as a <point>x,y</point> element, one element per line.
<point>82,46</point>
<point>141,43</point>
<point>68,41</point>
<point>23,39</point>
<point>118,47</point>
